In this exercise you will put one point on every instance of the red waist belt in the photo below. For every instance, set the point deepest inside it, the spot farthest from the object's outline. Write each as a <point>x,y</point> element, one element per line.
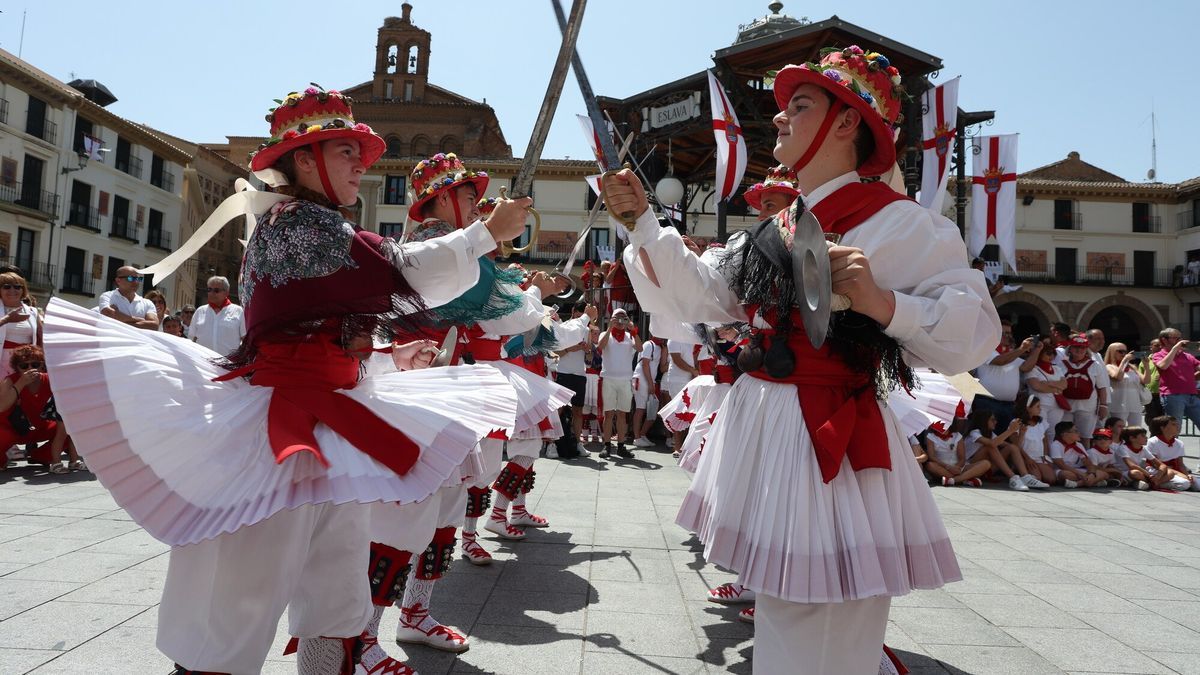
<point>305,376</point>
<point>724,374</point>
<point>839,407</point>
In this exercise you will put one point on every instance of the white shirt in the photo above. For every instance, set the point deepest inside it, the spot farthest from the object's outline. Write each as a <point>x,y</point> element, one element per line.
<point>1141,457</point>
<point>945,450</point>
<point>650,352</point>
<point>1071,456</point>
<point>138,308</point>
<point>1159,448</point>
<point>221,331</point>
<point>24,332</point>
<point>675,374</point>
<point>1103,380</point>
<point>1034,441</point>
<point>1047,398</point>
<point>1003,382</point>
<point>617,357</point>
<point>1125,395</point>
<point>1104,459</point>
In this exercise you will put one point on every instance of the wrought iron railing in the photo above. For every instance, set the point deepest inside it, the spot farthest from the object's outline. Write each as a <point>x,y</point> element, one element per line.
<point>82,215</point>
<point>1093,275</point>
<point>156,238</point>
<point>122,228</point>
<point>77,282</point>
<point>164,180</point>
<point>30,196</point>
<point>131,165</point>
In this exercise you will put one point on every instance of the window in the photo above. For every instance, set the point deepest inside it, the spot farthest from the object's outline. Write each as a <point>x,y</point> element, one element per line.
<point>80,211</point>
<point>103,207</point>
<point>1065,217</point>
<point>123,151</point>
<point>83,127</point>
<point>393,190</point>
<point>73,277</point>
<point>1194,314</point>
<point>408,91</point>
<point>8,172</point>
<point>387,89</point>
<point>421,147</point>
<point>1143,221</point>
<point>156,170</point>
<point>154,232</point>
<point>395,147</point>
<point>412,60</point>
<point>391,230</point>
<point>114,264</point>
<point>24,257</point>
<point>35,123</point>
<point>121,227</point>
<point>1143,268</point>
<point>1064,265</point>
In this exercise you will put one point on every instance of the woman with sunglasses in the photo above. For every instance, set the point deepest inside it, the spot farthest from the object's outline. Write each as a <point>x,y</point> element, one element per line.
<point>20,323</point>
<point>27,411</point>
<point>1127,383</point>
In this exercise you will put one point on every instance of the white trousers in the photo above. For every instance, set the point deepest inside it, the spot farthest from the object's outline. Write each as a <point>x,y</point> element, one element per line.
<point>224,596</point>
<point>837,638</point>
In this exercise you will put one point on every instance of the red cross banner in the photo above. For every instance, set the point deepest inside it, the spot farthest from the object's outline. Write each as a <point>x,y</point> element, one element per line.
<point>589,132</point>
<point>939,125</point>
<point>731,144</point>
<point>994,196</point>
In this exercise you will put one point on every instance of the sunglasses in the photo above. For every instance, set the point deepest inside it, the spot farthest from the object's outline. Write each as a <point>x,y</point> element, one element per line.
<point>12,287</point>
<point>215,290</point>
<point>29,364</point>
<point>131,278</point>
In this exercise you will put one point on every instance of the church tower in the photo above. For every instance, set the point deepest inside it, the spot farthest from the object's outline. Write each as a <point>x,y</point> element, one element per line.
<point>401,60</point>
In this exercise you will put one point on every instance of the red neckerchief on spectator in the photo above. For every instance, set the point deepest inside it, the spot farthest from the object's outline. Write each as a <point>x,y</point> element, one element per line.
<point>1046,366</point>
<point>618,333</point>
<point>1170,442</point>
<point>1103,451</point>
<point>939,429</point>
<point>1077,448</point>
<point>217,307</point>
<point>1003,348</point>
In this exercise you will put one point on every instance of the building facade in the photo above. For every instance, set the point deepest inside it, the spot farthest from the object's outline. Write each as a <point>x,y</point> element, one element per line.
<point>82,190</point>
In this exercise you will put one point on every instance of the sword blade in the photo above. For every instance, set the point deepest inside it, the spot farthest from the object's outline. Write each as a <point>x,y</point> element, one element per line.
<point>523,181</point>
<point>593,216</point>
<point>607,149</point>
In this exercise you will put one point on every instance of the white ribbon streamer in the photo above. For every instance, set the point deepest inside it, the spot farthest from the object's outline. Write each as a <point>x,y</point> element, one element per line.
<point>246,201</point>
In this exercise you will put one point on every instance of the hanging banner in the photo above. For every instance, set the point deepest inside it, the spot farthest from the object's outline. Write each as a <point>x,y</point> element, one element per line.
<point>994,196</point>
<point>939,127</point>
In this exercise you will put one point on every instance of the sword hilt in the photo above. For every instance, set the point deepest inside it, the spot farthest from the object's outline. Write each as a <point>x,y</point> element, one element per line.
<point>626,218</point>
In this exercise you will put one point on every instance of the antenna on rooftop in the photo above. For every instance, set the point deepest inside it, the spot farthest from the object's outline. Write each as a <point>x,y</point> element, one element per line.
<point>1152,174</point>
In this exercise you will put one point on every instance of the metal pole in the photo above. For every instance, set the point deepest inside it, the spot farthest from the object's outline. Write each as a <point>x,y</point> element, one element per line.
<point>960,176</point>
<point>722,233</point>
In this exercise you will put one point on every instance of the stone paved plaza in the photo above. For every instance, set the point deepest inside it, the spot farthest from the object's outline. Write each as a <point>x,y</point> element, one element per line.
<point>1056,581</point>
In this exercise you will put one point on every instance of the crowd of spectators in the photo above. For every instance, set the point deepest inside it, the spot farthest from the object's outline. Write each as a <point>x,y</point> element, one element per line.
<point>1069,409</point>
<point>30,427</point>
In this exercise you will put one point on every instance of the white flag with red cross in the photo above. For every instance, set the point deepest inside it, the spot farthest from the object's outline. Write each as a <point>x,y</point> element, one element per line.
<point>731,143</point>
<point>589,132</point>
<point>939,125</point>
<point>994,196</point>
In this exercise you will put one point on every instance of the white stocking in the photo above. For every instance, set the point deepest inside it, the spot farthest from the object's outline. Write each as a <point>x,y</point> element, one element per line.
<point>320,656</point>
<point>374,653</point>
<point>415,612</point>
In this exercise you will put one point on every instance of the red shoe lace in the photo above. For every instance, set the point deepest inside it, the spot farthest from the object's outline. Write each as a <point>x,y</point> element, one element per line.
<point>499,518</point>
<point>520,511</point>
<point>448,632</point>
<point>413,616</point>
<point>725,591</point>
<point>391,666</point>
<point>473,549</point>
<point>749,611</point>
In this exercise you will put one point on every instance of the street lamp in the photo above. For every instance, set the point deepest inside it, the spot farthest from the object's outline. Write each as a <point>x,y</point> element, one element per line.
<point>83,160</point>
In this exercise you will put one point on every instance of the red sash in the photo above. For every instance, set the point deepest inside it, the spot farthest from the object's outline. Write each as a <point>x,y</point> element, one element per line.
<point>306,375</point>
<point>839,406</point>
<point>724,374</point>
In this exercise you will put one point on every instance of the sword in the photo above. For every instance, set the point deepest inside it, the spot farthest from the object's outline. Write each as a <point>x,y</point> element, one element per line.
<point>607,149</point>
<point>594,215</point>
<point>523,181</point>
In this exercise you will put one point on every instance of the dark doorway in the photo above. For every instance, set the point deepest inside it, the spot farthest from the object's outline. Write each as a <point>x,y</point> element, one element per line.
<point>1064,265</point>
<point>1026,319</point>
<point>1119,325</point>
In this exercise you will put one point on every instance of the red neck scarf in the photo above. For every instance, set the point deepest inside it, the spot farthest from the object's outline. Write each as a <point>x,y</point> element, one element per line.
<point>1103,451</point>
<point>1076,447</point>
<point>1046,366</point>
<point>1003,348</point>
<point>1170,442</point>
<point>218,306</point>
<point>618,334</point>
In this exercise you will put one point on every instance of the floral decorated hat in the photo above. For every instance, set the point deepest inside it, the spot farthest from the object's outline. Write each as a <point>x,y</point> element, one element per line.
<point>310,117</point>
<point>443,171</point>
<point>486,206</point>
<point>866,81</point>
<point>780,179</point>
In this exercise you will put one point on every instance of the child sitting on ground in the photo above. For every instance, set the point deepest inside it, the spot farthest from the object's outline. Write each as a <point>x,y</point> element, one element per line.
<point>1166,445</point>
<point>946,457</point>
<point>1032,439</point>
<point>1070,458</point>
<point>1103,458</point>
<point>1143,468</point>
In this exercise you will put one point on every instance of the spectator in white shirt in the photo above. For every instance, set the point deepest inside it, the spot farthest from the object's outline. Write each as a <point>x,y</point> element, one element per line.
<point>1095,338</point>
<point>185,318</point>
<point>572,374</point>
<point>617,346</point>
<point>219,325</point>
<point>1002,375</point>
<point>125,305</point>
<point>645,390</point>
<point>160,306</point>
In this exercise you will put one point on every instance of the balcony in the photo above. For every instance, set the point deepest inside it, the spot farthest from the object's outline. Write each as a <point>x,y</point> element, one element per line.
<point>49,132</point>
<point>1187,219</point>
<point>1083,275</point>
<point>1068,221</point>
<point>130,165</point>
<point>1148,224</point>
<point>34,273</point>
<point>4,110</point>
<point>123,229</point>
<point>82,215</point>
<point>549,253</point>
<point>158,239</point>
<point>78,283</point>
<point>164,180</point>
<point>30,197</point>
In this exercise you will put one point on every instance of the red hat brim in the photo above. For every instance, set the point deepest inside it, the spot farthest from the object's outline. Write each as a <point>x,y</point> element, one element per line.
<point>416,211</point>
<point>788,80</point>
<point>370,146</point>
<point>754,197</point>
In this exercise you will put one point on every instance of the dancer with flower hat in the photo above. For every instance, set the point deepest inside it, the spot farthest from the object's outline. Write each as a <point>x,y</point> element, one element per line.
<point>447,194</point>
<point>274,459</point>
<point>807,486</point>
<point>775,193</point>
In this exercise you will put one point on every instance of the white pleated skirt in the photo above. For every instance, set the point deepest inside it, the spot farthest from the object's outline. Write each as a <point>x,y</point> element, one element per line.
<point>189,458</point>
<point>690,451</point>
<point>936,400</point>
<point>679,413</point>
<point>760,507</point>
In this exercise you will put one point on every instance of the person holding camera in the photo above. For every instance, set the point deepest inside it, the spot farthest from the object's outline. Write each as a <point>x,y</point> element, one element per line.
<point>617,347</point>
<point>1128,394</point>
<point>1003,374</point>
<point>1177,376</point>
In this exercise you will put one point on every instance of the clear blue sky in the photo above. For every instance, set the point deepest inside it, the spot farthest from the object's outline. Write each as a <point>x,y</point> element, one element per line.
<point>1065,75</point>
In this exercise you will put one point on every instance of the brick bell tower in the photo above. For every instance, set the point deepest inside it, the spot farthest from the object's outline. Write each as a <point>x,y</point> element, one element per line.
<point>401,60</point>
